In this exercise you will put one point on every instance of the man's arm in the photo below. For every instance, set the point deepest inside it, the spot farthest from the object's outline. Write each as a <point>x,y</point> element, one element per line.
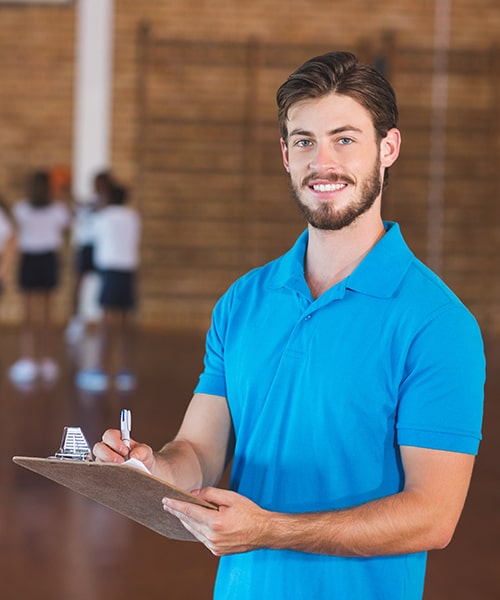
<point>421,517</point>
<point>196,457</point>
<point>203,447</point>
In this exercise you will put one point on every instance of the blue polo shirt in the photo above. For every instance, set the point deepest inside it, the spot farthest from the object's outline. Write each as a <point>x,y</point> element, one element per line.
<point>322,394</point>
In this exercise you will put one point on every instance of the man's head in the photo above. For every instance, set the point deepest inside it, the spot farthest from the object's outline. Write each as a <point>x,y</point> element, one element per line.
<point>340,73</point>
<point>338,123</point>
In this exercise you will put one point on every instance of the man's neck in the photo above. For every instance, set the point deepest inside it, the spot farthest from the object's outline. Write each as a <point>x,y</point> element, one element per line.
<point>333,255</point>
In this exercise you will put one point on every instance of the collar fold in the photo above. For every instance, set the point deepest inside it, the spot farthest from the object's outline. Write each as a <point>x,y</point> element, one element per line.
<point>378,274</point>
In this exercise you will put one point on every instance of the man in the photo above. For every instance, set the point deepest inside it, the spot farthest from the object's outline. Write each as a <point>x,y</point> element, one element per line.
<point>344,380</point>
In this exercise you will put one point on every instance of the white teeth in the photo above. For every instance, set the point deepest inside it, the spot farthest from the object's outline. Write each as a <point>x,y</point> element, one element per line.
<point>329,187</point>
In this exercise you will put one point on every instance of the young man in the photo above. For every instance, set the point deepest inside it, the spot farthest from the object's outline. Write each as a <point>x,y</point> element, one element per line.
<point>344,380</point>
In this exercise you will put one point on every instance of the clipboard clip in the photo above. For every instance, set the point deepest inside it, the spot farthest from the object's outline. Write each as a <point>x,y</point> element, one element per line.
<point>74,446</point>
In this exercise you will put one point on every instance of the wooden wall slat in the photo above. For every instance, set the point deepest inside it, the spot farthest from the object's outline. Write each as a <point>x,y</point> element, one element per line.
<point>214,185</point>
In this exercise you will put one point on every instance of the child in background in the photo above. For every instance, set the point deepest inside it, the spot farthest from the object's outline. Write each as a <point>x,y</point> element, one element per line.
<point>83,241</point>
<point>116,255</point>
<point>40,222</point>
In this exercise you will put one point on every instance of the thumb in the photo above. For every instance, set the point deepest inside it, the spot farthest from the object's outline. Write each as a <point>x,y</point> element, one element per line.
<point>214,495</point>
<point>142,452</point>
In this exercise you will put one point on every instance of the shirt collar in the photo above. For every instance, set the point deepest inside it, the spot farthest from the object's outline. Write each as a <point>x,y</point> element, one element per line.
<point>378,274</point>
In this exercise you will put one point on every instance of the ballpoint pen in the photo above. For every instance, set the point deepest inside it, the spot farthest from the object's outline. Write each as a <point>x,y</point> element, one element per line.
<point>126,426</point>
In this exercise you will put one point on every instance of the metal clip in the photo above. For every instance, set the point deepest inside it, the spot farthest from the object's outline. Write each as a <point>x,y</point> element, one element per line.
<point>74,446</point>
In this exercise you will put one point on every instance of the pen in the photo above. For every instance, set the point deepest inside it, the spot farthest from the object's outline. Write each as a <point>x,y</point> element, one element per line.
<point>126,426</point>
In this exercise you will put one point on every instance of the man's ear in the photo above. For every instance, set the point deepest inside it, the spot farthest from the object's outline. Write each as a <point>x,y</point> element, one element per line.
<point>389,147</point>
<point>284,154</point>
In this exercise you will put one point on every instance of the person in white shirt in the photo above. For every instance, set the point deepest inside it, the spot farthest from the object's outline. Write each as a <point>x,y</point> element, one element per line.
<point>83,242</point>
<point>117,230</point>
<point>40,223</point>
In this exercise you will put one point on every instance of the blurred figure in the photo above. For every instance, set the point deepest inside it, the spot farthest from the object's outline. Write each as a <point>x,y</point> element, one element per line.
<point>116,254</point>
<point>7,243</point>
<point>83,241</point>
<point>40,221</point>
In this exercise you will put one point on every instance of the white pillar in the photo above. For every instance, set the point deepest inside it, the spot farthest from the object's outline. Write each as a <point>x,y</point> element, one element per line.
<point>92,109</point>
<point>437,150</point>
<point>93,87</point>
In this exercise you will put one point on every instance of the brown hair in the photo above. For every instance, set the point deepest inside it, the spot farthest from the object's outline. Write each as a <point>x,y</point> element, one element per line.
<point>39,193</point>
<point>340,73</point>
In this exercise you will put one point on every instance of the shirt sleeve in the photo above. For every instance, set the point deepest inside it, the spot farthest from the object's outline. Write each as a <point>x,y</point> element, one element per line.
<point>19,211</point>
<point>441,395</point>
<point>213,380</point>
<point>64,215</point>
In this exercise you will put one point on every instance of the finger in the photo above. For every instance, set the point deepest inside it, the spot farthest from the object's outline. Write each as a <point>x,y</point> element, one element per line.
<point>194,531</point>
<point>113,439</point>
<point>187,525</point>
<point>198,520</point>
<point>215,495</point>
<point>109,449</point>
<point>142,452</point>
<point>103,453</point>
<point>176,507</point>
<point>186,510</point>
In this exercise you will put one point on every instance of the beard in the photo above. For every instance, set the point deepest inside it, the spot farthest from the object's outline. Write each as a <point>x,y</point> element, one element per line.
<point>329,218</point>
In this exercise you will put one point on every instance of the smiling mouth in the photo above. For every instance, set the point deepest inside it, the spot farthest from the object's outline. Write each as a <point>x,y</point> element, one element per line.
<point>328,187</point>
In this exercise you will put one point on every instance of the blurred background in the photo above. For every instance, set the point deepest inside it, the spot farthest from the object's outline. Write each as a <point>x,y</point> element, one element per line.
<point>177,99</point>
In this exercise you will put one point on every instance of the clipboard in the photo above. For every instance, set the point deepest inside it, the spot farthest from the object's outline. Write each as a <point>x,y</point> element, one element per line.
<point>129,491</point>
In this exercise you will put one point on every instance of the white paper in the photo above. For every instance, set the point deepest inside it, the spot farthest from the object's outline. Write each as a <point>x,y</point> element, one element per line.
<point>136,464</point>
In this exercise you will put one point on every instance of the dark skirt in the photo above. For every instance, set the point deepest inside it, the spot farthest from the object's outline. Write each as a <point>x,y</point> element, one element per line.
<point>38,271</point>
<point>117,289</point>
<point>84,259</point>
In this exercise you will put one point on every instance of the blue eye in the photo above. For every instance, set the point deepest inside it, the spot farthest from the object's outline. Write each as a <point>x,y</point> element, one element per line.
<point>345,141</point>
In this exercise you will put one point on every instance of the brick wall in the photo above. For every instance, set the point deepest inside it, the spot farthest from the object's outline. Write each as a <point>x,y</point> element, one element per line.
<point>36,107</point>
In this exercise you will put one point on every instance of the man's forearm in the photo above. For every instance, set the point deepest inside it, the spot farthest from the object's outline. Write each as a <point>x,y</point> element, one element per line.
<point>178,463</point>
<point>199,454</point>
<point>399,524</point>
<point>422,517</point>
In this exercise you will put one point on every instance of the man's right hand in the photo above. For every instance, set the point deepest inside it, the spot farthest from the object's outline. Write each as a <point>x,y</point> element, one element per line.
<point>112,449</point>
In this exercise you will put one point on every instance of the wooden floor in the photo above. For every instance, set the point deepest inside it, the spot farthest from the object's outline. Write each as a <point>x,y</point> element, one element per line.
<point>55,544</point>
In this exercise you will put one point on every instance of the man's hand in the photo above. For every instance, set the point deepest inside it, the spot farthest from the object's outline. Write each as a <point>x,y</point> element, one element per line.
<point>113,449</point>
<point>239,525</point>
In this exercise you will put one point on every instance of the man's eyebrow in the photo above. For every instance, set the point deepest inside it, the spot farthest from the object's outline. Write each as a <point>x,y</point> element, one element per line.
<point>336,131</point>
<point>300,132</point>
<point>345,128</point>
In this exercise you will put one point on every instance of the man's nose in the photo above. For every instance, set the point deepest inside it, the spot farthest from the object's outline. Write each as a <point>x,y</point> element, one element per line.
<point>324,158</point>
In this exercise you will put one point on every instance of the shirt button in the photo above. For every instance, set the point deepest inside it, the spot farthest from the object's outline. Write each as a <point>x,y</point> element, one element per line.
<point>307,318</point>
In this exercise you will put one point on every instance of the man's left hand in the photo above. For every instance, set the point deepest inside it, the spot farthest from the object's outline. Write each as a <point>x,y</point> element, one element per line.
<point>239,525</point>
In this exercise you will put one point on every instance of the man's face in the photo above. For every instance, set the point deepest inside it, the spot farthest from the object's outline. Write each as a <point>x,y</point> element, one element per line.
<point>335,160</point>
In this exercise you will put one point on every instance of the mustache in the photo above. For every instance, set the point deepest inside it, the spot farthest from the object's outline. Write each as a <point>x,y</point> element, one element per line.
<point>330,177</point>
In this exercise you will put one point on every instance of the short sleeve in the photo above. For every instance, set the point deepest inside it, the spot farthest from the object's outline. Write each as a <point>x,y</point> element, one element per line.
<point>441,396</point>
<point>213,379</point>
<point>19,211</point>
<point>63,214</point>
